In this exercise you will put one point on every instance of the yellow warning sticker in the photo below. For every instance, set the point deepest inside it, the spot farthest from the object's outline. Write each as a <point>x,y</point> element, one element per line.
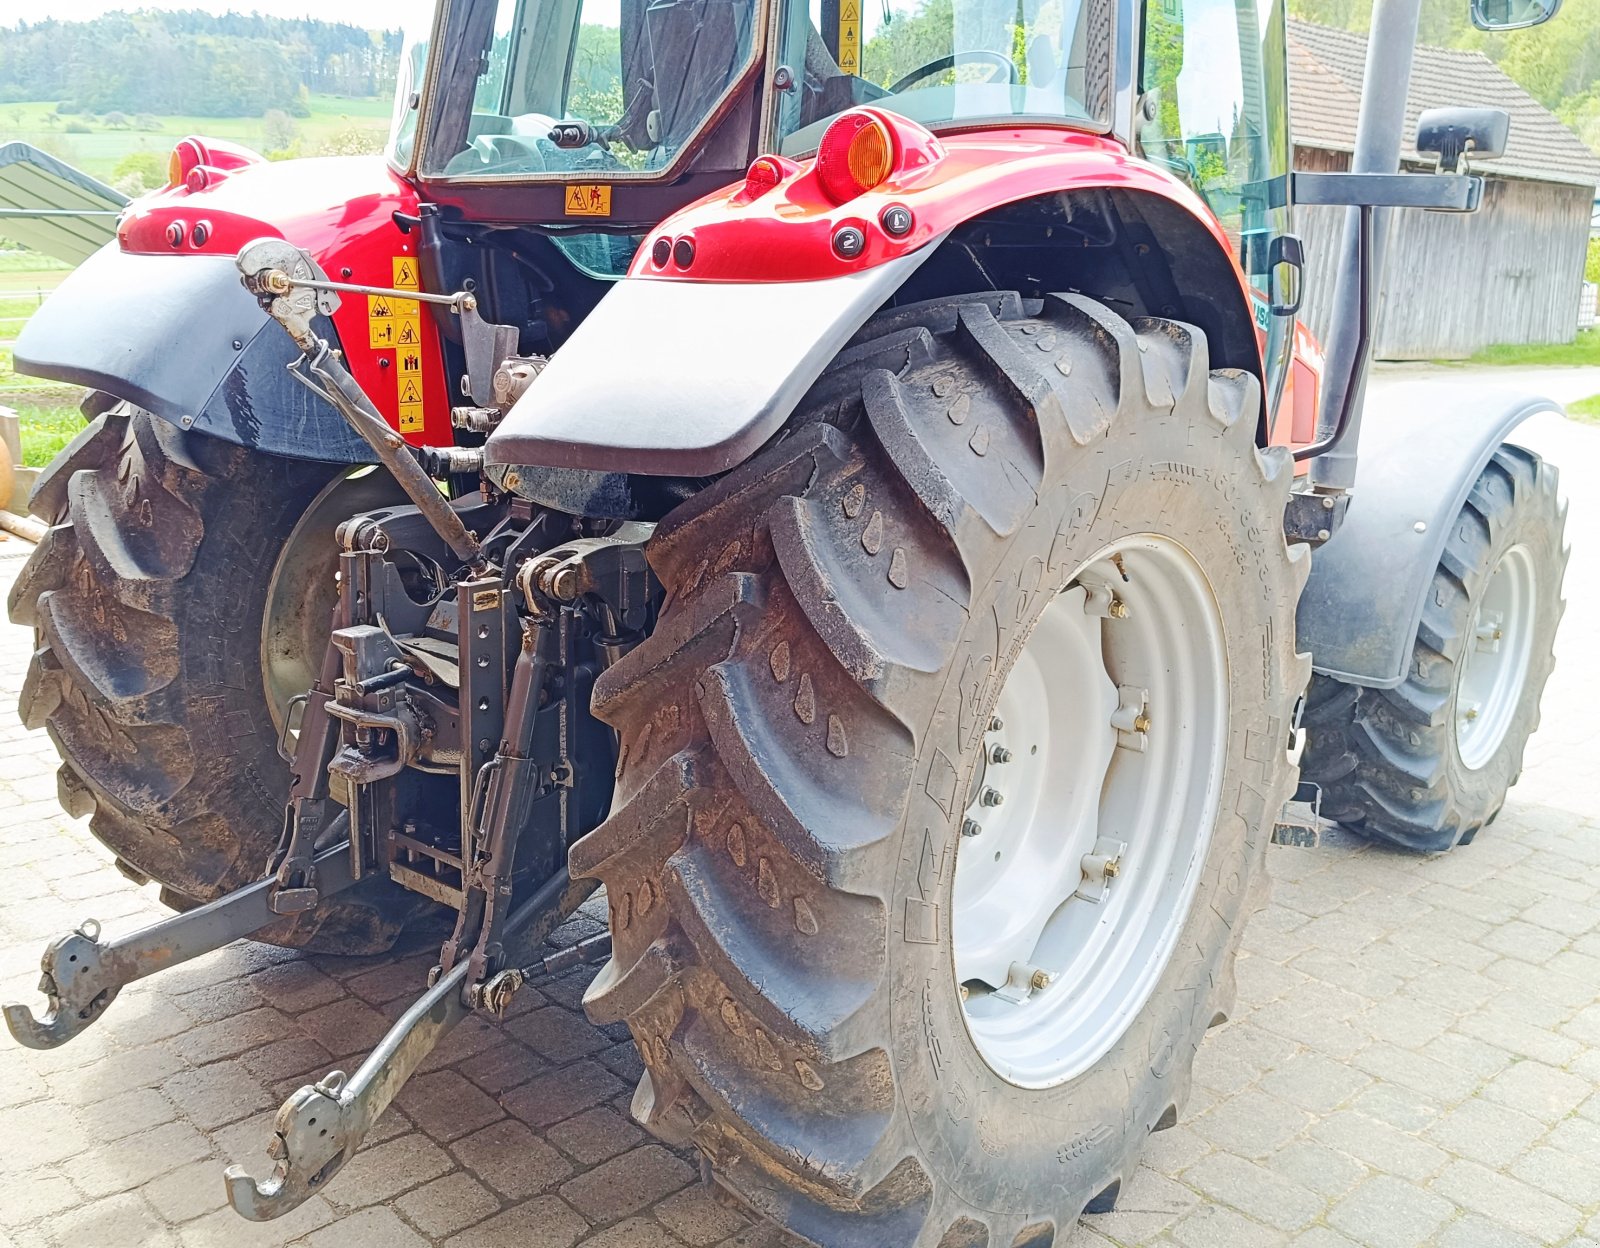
<point>588,200</point>
<point>405,273</point>
<point>410,391</point>
<point>382,333</point>
<point>408,334</point>
<point>411,418</point>
<point>409,361</point>
<point>850,37</point>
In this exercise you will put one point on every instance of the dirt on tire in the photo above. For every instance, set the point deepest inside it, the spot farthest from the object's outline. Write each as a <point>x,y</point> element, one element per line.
<point>841,613</point>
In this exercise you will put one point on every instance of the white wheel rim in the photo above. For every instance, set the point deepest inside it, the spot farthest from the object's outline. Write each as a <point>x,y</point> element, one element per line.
<point>1052,979</point>
<point>1495,668</point>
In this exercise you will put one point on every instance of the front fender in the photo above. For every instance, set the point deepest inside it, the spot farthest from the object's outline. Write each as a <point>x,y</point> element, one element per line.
<point>179,336</point>
<point>1423,445</point>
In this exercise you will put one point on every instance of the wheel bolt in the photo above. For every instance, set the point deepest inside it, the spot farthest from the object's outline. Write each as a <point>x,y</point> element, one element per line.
<point>1000,755</point>
<point>992,797</point>
<point>996,724</point>
<point>970,827</point>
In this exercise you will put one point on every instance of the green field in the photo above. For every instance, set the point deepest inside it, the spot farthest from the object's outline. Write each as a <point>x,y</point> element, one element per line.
<point>1584,349</point>
<point>335,123</point>
<point>49,412</point>
<point>1587,410</point>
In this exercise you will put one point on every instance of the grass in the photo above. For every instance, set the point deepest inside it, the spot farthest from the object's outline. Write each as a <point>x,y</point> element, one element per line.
<point>48,411</point>
<point>1587,410</point>
<point>99,151</point>
<point>1584,349</point>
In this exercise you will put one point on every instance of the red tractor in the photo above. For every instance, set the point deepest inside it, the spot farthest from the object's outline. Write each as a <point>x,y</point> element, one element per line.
<point>843,480</point>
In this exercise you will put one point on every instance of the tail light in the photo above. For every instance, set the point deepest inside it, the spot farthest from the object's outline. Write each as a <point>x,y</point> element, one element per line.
<point>196,163</point>
<point>187,156</point>
<point>765,172</point>
<point>856,154</point>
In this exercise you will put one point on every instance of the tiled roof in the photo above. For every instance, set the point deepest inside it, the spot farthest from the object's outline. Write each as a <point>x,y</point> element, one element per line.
<point>1325,73</point>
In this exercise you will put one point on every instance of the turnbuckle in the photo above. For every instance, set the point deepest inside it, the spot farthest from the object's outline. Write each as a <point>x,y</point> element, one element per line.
<point>82,973</point>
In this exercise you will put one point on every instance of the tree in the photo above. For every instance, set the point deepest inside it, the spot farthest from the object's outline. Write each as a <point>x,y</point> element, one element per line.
<point>143,170</point>
<point>278,130</point>
<point>117,121</point>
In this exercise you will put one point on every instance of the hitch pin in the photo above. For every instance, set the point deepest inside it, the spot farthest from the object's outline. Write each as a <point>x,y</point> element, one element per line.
<point>280,283</point>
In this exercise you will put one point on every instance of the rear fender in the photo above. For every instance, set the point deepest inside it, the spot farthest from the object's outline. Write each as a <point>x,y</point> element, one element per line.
<point>686,370</point>
<point>1423,445</point>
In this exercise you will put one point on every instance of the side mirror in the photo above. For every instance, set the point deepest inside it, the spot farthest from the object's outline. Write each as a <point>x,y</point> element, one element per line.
<point>1451,133</point>
<point>1512,14</point>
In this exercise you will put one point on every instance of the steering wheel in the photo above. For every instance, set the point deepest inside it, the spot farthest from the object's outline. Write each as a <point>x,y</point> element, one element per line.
<point>979,55</point>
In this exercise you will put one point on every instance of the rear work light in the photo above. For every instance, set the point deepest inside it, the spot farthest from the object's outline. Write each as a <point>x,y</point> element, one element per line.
<point>856,154</point>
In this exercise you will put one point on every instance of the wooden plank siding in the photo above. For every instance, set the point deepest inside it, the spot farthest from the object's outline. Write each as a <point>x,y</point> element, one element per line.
<point>1510,272</point>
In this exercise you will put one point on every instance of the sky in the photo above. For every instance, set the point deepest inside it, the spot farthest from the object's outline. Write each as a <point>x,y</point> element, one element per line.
<point>374,14</point>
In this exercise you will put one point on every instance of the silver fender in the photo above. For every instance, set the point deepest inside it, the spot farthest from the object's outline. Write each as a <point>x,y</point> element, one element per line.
<point>1423,445</point>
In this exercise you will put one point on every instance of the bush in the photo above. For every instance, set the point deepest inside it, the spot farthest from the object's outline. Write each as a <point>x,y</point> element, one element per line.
<point>79,127</point>
<point>138,172</point>
<point>1591,270</point>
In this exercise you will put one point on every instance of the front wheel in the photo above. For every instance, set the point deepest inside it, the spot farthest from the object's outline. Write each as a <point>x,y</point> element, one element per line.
<point>948,773</point>
<point>1426,765</point>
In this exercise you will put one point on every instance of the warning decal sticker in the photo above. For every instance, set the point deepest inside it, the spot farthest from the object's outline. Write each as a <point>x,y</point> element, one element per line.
<point>395,324</point>
<point>850,37</point>
<point>588,200</point>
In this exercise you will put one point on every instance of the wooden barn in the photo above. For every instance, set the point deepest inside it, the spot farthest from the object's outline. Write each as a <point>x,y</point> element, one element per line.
<point>1512,271</point>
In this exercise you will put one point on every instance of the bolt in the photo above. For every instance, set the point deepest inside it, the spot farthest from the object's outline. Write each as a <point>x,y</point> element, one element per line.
<point>1472,712</point>
<point>1327,502</point>
<point>1000,755</point>
<point>996,724</point>
<point>1040,980</point>
<point>1118,610</point>
<point>1111,869</point>
<point>1141,723</point>
<point>1421,526</point>
<point>991,797</point>
<point>970,827</point>
<point>964,992</point>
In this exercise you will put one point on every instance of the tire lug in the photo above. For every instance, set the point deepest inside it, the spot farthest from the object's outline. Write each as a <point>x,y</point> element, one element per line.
<point>1000,755</point>
<point>996,724</point>
<point>992,797</point>
<point>971,827</point>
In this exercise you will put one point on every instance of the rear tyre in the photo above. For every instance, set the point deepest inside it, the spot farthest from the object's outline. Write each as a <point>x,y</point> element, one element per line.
<point>1426,765</point>
<point>804,938</point>
<point>154,645</point>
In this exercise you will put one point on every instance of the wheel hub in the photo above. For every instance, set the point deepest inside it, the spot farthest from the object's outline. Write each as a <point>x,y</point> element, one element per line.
<point>1090,812</point>
<point>1495,666</point>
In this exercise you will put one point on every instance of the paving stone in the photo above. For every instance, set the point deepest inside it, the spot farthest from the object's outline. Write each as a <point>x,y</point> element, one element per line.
<point>551,1098</point>
<point>1255,1191</point>
<point>502,1066</point>
<point>698,1218</point>
<point>188,1192</point>
<point>1505,1200</point>
<point>1483,1131</point>
<point>543,1222</point>
<point>135,1160</point>
<point>369,1228</point>
<point>345,1026</point>
<point>1380,1145</point>
<point>1147,1205</point>
<point>1318,1168</point>
<point>124,1219</point>
<point>33,1195</point>
<point>1218,1227</point>
<point>230,1036</point>
<point>38,1134</point>
<point>1472,1231</point>
<point>594,1135</point>
<point>1542,1091</point>
<point>1314,1082</point>
<point>627,1184</point>
<point>134,1111</point>
<point>1385,1212</point>
<point>446,1106</point>
<point>634,1233</point>
<point>216,1095</point>
<point>557,1034</point>
<point>1251,1124</point>
<point>512,1160</point>
<point>294,987</point>
<point>1571,1177</point>
<point>447,1204</point>
<point>380,1172</point>
<point>226,1229</point>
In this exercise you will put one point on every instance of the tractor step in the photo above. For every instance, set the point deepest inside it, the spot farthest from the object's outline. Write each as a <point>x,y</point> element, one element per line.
<point>82,974</point>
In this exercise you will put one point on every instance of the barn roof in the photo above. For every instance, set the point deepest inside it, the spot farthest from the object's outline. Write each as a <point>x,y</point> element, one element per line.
<point>1325,73</point>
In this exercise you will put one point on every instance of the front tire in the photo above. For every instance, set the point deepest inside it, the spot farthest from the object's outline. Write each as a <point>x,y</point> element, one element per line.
<point>147,598</point>
<point>803,739</point>
<point>1427,765</point>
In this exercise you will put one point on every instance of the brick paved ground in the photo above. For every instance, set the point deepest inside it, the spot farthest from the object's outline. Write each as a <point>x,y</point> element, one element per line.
<point>1415,1060</point>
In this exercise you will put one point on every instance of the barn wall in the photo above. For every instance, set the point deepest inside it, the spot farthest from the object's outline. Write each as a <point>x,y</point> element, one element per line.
<point>1457,283</point>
